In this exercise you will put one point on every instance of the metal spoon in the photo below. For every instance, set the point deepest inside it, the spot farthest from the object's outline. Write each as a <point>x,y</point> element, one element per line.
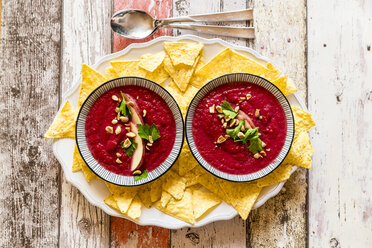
<point>137,24</point>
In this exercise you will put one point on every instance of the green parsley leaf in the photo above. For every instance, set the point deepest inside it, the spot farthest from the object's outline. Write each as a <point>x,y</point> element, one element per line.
<point>130,150</point>
<point>255,145</point>
<point>144,174</point>
<point>233,133</point>
<point>250,134</point>
<point>145,131</point>
<point>228,110</point>
<point>123,107</point>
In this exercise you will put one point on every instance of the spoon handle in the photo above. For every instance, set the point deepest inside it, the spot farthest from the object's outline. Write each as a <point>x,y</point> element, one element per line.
<point>240,15</point>
<point>241,32</point>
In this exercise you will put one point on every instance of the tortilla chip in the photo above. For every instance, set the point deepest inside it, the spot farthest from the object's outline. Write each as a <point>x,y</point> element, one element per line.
<point>186,161</point>
<point>303,120</point>
<point>76,160</point>
<point>165,198</point>
<point>285,85</point>
<point>217,66</point>
<point>280,174</point>
<point>192,177</point>
<point>242,196</point>
<point>240,63</point>
<point>110,200</point>
<point>91,79</point>
<point>124,200</point>
<point>128,68</point>
<point>213,184</point>
<point>272,73</point>
<point>144,193</point>
<point>181,209</point>
<point>135,209</point>
<point>63,125</point>
<point>150,62</point>
<point>110,73</point>
<point>301,151</point>
<point>198,81</point>
<point>204,203</point>
<point>118,190</point>
<point>180,74</point>
<point>158,76</point>
<point>88,174</point>
<point>174,185</point>
<point>156,189</point>
<point>183,52</point>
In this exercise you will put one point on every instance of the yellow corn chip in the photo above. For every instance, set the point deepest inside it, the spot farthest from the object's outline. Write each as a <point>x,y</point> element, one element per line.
<point>150,62</point>
<point>91,79</point>
<point>242,196</point>
<point>79,164</point>
<point>88,174</point>
<point>63,125</point>
<point>272,73</point>
<point>280,174</point>
<point>285,85</point>
<point>124,200</point>
<point>76,160</point>
<point>144,193</point>
<point>156,189</point>
<point>110,73</point>
<point>192,177</point>
<point>174,185</point>
<point>217,66</point>
<point>186,161</point>
<point>128,68</point>
<point>118,190</point>
<point>183,52</point>
<point>240,63</point>
<point>303,120</point>
<point>203,203</point>
<point>181,209</point>
<point>180,74</point>
<point>301,151</point>
<point>110,200</point>
<point>165,198</point>
<point>213,184</point>
<point>158,76</point>
<point>135,209</point>
<point>196,80</point>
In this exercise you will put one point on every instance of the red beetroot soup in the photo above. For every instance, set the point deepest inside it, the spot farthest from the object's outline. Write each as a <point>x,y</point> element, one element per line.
<point>234,157</point>
<point>104,146</point>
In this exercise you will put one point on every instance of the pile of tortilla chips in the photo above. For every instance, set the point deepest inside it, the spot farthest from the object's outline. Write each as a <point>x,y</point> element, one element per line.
<point>187,191</point>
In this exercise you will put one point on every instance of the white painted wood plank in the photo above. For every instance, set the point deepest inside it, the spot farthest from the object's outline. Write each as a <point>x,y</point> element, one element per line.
<point>29,64</point>
<point>340,97</point>
<point>281,36</point>
<point>86,36</point>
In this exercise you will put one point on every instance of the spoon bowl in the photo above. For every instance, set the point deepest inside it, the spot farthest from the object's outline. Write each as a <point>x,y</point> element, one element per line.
<point>134,24</point>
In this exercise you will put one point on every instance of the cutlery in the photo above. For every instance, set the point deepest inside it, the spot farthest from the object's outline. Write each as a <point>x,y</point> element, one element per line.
<point>138,24</point>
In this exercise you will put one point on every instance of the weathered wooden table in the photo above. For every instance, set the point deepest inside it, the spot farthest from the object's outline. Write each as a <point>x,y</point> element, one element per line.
<point>324,46</point>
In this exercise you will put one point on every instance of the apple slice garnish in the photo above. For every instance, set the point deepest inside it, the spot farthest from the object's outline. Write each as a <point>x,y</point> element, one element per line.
<point>139,152</point>
<point>248,124</point>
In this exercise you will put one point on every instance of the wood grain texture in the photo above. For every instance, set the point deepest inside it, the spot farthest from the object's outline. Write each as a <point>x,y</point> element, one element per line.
<point>29,64</point>
<point>340,97</point>
<point>129,234</point>
<point>156,8</point>
<point>281,36</point>
<point>125,233</point>
<point>85,37</point>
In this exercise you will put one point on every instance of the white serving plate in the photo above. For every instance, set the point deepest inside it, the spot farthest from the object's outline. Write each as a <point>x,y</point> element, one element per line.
<point>96,191</point>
